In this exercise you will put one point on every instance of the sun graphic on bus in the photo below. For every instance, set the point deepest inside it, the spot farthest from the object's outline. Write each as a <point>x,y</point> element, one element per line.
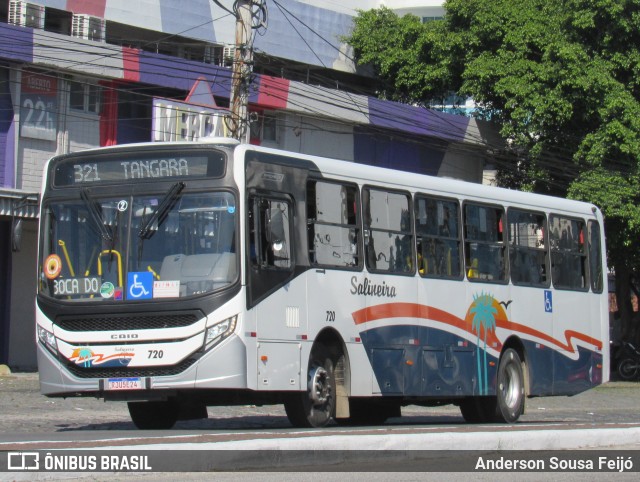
<point>483,315</point>
<point>82,356</point>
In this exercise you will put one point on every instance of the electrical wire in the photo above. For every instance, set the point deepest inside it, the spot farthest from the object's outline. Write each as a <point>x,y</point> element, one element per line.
<point>150,63</point>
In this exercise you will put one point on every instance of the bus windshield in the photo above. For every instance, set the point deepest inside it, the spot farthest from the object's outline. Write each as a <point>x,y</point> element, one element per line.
<point>143,247</point>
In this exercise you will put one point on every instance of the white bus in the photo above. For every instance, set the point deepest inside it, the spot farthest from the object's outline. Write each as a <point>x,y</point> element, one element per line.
<point>176,276</point>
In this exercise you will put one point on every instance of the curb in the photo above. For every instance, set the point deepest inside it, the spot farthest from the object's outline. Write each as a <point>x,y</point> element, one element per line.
<point>571,439</point>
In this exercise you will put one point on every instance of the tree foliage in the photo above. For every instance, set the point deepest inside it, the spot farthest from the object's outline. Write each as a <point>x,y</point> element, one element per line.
<point>562,80</point>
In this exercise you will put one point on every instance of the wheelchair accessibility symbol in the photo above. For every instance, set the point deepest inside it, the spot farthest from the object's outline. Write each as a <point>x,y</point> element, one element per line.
<point>548,301</point>
<point>139,285</point>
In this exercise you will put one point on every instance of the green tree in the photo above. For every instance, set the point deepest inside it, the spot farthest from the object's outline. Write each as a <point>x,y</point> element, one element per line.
<point>561,79</point>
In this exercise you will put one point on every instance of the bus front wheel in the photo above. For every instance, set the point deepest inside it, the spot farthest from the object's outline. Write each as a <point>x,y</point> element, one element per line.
<point>156,415</point>
<point>314,407</point>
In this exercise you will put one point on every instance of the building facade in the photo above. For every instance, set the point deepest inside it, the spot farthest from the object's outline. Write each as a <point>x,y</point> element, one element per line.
<point>76,74</point>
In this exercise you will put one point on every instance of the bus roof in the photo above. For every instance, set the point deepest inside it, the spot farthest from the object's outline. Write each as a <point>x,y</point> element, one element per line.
<point>366,174</point>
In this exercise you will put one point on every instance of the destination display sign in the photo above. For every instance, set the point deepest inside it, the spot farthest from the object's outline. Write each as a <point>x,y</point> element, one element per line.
<point>151,166</point>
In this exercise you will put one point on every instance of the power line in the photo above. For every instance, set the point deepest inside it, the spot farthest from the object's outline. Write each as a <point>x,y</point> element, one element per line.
<point>150,62</point>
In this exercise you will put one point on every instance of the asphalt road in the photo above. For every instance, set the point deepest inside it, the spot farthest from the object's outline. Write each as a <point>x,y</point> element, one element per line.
<point>24,411</point>
<point>30,421</point>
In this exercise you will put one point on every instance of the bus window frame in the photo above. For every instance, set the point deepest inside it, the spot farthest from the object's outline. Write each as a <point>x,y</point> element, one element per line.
<point>367,230</point>
<point>469,268</point>
<point>252,198</point>
<point>516,247</point>
<point>584,254</point>
<point>459,239</point>
<point>590,223</point>
<point>358,226</point>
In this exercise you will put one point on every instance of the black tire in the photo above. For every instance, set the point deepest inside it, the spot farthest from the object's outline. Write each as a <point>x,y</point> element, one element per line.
<point>628,369</point>
<point>469,410</point>
<point>478,409</point>
<point>366,412</point>
<point>510,394</point>
<point>155,415</point>
<point>316,406</point>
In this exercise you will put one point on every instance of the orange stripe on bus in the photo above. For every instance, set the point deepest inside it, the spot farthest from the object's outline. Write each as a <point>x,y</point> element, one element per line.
<point>415,310</point>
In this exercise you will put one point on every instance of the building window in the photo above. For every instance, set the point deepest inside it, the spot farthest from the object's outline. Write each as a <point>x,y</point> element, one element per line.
<point>264,129</point>
<point>84,97</point>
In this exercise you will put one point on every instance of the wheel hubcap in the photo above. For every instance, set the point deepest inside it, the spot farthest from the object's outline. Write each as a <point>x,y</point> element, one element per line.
<point>319,389</point>
<point>511,387</point>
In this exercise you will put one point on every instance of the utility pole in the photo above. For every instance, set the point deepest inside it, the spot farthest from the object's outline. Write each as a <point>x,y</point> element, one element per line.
<point>241,72</point>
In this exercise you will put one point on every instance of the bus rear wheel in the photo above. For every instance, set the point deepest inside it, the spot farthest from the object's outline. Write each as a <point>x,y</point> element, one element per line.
<point>510,395</point>
<point>156,415</point>
<point>316,406</point>
<point>508,404</point>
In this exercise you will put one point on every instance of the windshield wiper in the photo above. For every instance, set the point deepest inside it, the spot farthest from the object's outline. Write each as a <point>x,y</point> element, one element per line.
<point>163,208</point>
<point>95,212</point>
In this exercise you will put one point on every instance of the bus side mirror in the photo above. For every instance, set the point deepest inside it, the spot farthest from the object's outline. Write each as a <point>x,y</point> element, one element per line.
<point>16,235</point>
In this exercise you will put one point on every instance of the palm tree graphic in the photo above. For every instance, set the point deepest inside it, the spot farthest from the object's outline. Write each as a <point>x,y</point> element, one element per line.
<point>85,354</point>
<point>483,319</point>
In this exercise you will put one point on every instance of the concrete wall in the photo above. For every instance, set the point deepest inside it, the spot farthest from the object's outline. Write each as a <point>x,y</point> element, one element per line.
<point>319,137</point>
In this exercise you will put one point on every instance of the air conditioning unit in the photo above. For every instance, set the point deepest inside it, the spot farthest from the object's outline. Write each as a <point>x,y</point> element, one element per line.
<point>88,27</point>
<point>26,14</point>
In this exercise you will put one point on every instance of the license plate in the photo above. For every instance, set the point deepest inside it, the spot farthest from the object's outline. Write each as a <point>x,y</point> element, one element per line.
<point>124,384</point>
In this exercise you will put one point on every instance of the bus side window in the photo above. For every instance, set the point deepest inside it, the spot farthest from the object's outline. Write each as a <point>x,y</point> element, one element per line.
<point>438,239</point>
<point>568,253</point>
<point>595,257</point>
<point>332,227</point>
<point>528,256</point>
<point>269,233</point>
<point>389,237</point>
<point>484,243</point>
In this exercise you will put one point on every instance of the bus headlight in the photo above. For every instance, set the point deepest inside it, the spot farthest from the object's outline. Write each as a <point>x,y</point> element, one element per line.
<point>48,339</point>
<point>219,331</point>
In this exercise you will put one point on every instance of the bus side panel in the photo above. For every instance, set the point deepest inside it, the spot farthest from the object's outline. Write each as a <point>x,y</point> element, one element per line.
<point>331,303</point>
<point>449,364</point>
<point>487,308</point>
<point>575,334</point>
<point>539,359</point>
<point>573,375</point>
<point>361,374</point>
<point>448,358</point>
<point>391,330</point>
<point>528,310</point>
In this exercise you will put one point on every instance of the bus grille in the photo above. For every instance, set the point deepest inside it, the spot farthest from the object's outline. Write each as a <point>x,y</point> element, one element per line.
<point>118,372</point>
<point>128,321</point>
